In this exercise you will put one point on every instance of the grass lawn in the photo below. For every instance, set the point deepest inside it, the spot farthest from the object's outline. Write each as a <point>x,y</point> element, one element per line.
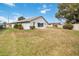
<point>46,42</point>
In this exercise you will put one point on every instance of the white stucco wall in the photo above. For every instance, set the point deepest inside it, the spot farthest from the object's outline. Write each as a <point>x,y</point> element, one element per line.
<point>49,25</point>
<point>60,26</point>
<point>39,20</point>
<point>26,26</point>
<point>13,25</point>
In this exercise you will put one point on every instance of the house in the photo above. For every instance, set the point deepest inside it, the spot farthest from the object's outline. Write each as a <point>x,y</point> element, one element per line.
<point>39,23</point>
<point>76,27</point>
<point>54,24</point>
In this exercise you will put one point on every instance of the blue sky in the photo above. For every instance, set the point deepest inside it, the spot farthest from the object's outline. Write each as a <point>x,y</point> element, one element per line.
<point>12,11</point>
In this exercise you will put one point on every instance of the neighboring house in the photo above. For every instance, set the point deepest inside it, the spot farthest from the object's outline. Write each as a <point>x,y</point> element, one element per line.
<point>39,23</point>
<point>76,27</point>
<point>54,24</point>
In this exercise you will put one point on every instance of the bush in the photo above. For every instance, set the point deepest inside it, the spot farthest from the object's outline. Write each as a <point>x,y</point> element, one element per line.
<point>32,27</point>
<point>2,25</point>
<point>55,25</point>
<point>68,26</point>
<point>18,26</point>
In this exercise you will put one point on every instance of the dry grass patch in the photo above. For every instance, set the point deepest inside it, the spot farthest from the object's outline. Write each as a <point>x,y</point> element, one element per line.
<point>39,42</point>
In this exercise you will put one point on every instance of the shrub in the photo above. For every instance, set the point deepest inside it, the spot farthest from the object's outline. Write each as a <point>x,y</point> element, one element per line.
<point>18,26</point>
<point>2,25</point>
<point>55,25</point>
<point>32,27</point>
<point>68,26</point>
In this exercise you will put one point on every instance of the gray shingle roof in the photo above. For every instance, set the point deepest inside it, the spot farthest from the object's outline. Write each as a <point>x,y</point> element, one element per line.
<point>29,19</point>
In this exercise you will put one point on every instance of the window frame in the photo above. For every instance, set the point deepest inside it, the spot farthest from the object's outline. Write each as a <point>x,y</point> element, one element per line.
<point>40,24</point>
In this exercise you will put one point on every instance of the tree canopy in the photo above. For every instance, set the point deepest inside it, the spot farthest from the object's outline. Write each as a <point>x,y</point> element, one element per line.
<point>70,12</point>
<point>21,18</point>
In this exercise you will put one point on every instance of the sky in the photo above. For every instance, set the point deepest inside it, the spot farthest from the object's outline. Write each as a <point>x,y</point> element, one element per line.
<point>11,11</point>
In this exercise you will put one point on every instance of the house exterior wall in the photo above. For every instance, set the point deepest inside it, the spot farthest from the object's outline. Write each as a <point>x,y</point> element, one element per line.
<point>39,20</point>
<point>9,25</point>
<point>75,26</point>
<point>26,26</point>
<point>50,25</point>
<point>60,26</point>
<point>13,25</point>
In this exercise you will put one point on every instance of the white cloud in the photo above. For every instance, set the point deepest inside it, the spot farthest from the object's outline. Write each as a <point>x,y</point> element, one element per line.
<point>11,19</point>
<point>44,11</point>
<point>3,19</point>
<point>16,15</point>
<point>10,4</point>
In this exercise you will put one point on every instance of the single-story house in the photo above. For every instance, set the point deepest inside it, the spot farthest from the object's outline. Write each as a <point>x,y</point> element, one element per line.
<point>76,27</point>
<point>39,23</point>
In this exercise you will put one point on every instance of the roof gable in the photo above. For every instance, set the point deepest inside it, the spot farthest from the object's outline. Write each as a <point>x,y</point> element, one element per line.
<point>39,17</point>
<point>31,19</point>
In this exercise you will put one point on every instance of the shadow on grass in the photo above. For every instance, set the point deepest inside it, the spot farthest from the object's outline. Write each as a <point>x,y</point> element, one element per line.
<point>2,30</point>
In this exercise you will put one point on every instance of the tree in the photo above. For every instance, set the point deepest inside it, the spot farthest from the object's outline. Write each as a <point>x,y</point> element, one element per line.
<point>2,25</point>
<point>18,26</point>
<point>21,18</point>
<point>69,12</point>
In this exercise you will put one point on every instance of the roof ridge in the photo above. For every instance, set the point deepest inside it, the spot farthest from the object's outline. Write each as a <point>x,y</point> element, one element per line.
<point>30,19</point>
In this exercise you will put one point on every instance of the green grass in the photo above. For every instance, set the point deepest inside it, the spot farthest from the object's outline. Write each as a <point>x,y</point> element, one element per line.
<point>47,42</point>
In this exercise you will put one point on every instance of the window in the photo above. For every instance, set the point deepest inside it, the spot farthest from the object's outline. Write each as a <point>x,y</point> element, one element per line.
<point>40,24</point>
